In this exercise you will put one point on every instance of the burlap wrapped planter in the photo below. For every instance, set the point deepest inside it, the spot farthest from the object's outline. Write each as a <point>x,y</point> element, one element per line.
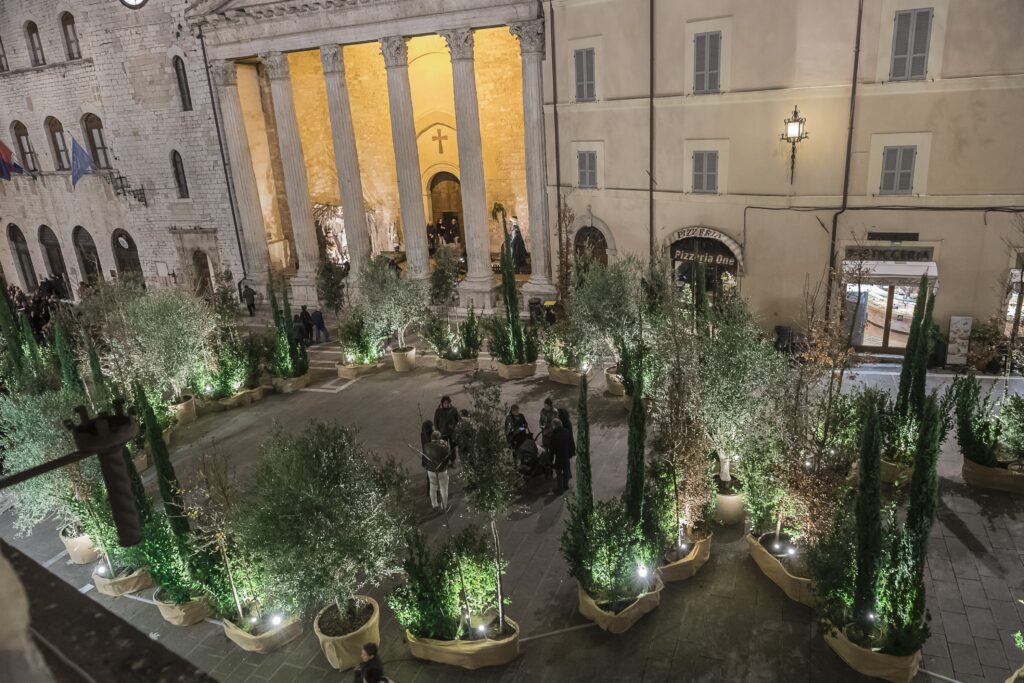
<point>994,478</point>
<point>613,381</point>
<point>891,473</point>
<point>796,588</point>
<point>729,508</point>
<point>871,663</point>
<point>138,580</point>
<point>186,613</point>
<point>268,641</point>
<point>1016,676</point>
<point>565,376</point>
<point>185,411</point>
<point>468,654</point>
<point>404,359</point>
<point>685,567</point>
<point>238,400</point>
<point>354,370</point>
<point>620,622</point>
<point>291,384</point>
<point>517,371</point>
<point>466,365</point>
<point>80,548</point>
<point>342,652</point>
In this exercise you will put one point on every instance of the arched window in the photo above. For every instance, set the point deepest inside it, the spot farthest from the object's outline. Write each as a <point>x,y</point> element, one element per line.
<point>591,244</point>
<point>22,257</point>
<point>88,257</point>
<point>179,175</point>
<point>97,145</point>
<point>67,26</point>
<point>25,151</point>
<point>126,254</point>
<point>35,46</point>
<point>53,258</point>
<point>183,92</point>
<point>3,58</point>
<point>58,144</point>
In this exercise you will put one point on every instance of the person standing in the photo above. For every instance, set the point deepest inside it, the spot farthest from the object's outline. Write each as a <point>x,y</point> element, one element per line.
<point>371,669</point>
<point>438,457</point>
<point>446,419</point>
<point>547,415</point>
<point>519,255</point>
<point>516,428</point>
<point>299,331</point>
<point>564,449</point>
<point>249,297</point>
<point>319,325</point>
<point>307,323</point>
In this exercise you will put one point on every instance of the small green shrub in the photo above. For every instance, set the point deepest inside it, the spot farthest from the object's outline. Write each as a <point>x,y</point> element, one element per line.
<point>1011,420</point>
<point>444,278</point>
<point>977,427</point>
<point>361,343</point>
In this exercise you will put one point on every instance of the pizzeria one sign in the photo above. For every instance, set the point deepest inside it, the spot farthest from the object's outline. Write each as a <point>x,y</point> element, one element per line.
<point>728,256</point>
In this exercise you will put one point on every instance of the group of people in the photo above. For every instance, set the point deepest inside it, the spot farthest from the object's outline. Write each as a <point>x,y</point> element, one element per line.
<point>307,326</point>
<point>556,438</point>
<point>439,234</point>
<point>38,306</point>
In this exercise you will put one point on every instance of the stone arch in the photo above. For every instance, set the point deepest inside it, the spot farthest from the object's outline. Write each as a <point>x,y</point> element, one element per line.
<point>126,253</point>
<point>704,232</point>
<point>588,219</point>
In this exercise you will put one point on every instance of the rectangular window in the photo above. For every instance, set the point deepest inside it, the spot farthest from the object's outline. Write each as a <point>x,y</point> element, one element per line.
<point>587,162</point>
<point>71,38</point>
<point>586,90</point>
<point>707,62</point>
<point>99,147</point>
<point>705,172</point>
<point>37,48</point>
<point>3,58</point>
<point>61,148</point>
<point>898,170</point>
<point>910,37</point>
<point>28,155</point>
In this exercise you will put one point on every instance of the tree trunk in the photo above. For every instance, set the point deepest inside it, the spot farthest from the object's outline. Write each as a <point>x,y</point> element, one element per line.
<point>231,580</point>
<point>723,468</point>
<point>497,577</point>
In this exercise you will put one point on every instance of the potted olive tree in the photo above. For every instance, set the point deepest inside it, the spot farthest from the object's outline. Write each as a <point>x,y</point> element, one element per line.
<point>567,351</point>
<point>457,349</point>
<point>393,303</point>
<point>329,521</point>
<point>362,344</point>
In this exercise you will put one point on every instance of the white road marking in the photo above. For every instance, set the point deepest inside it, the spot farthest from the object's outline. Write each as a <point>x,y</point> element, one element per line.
<point>50,562</point>
<point>86,588</point>
<point>331,387</point>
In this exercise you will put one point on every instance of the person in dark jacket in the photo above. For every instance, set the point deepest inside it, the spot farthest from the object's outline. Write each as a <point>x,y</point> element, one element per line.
<point>438,457</point>
<point>307,323</point>
<point>319,325</point>
<point>299,330</point>
<point>516,428</point>
<point>372,669</point>
<point>249,297</point>
<point>547,414</point>
<point>564,450</point>
<point>446,418</point>
<point>519,254</point>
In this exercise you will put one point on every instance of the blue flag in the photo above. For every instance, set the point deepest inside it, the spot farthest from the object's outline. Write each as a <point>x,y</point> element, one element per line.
<point>80,162</point>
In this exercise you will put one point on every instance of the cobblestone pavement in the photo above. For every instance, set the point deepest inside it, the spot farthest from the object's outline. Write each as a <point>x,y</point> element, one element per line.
<point>729,623</point>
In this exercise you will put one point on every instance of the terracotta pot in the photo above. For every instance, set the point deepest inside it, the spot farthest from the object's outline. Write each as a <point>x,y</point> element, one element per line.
<point>796,588</point>
<point>167,435</point>
<point>185,614</point>
<point>871,663</point>
<point>291,384</point>
<point>517,371</point>
<point>994,478</point>
<point>353,371</point>
<point>142,461</point>
<point>468,654</point>
<point>622,621</point>
<point>891,473</point>
<point>688,565</point>
<point>80,548</point>
<point>565,376</point>
<point>342,652</point>
<point>404,358</point>
<point>138,580</point>
<point>467,365</point>
<point>185,411</point>
<point>613,381</point>
<point>729,508</point>
<point>268,641</point>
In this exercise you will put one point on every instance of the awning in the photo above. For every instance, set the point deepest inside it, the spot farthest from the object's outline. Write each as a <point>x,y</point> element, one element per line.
<point>890,272</point>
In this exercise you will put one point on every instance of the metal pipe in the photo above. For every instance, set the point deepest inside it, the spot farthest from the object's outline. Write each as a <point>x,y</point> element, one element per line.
<point>558,147</point>
<point>650,141</point>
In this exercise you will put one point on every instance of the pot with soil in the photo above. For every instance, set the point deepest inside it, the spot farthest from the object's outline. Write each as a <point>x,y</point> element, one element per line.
<point>566,376</point>
<point>185,410</point>
<point>288,385</point>
<point>516,371</point>
<point>183,613</point>
<point>264,636</point>
<point>776,556</point>
<point>729,504</point>
<point>79,546</point>
<point>1007,477</point>
<point>404,358</point>
<point>895,473</point>
<point>872,663</point>
<point>613,381</point>
<point>342,636</point>
<point>692,554</point>
<point>619,617</point>
<point>495,650</point>
<point>122,582</point>
<point>354,370</point>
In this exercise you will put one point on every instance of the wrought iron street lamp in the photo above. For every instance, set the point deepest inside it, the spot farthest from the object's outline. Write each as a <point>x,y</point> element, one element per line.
<point>793,133</point>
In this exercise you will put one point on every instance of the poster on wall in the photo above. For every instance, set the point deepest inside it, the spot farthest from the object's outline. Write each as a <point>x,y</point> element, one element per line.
<point>959,339</point>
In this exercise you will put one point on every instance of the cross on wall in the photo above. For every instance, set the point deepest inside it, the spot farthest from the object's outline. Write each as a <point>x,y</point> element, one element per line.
<point>439,139</point>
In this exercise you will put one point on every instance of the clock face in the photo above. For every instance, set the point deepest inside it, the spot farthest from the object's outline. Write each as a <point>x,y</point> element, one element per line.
<point>134,4</point>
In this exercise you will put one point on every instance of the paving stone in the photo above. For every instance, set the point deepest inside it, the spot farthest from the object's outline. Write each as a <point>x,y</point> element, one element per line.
<point>980,620</point>
<point>957,628</point>
<point>964,658</point>
<point>990,652</point>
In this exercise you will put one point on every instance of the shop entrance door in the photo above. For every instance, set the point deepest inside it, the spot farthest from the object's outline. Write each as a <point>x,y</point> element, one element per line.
<point>881,315</point>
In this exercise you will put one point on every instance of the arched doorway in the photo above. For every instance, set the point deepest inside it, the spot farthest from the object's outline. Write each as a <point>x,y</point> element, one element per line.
<point>22,257</point>
<point>88,256</point>
<point>446,206</point>
<point>126,254</point>
<point>591,244</point>
<point>711,248</point>
<point>202,280</point>
<point>54,258</point>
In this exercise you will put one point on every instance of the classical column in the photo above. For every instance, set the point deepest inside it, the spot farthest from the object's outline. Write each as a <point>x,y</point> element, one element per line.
<point>346,161</point>
<point>243,178</point>
<point>531,47</point>
<point>407,155</point>
<point>479,282</point>
<point>295,183</point>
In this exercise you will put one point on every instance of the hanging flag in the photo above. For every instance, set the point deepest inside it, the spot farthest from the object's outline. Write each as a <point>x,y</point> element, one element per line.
<point>80,162</point>
<point>7,163</point>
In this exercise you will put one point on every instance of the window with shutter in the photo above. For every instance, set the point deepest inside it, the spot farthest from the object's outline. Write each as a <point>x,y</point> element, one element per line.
<point>585,75</point>
<point>61,158</point>
<point>35,46</point>
<point>25,150</point>
<point>183,91</point>
<point>910,38</point>
<point>705,172</point>
<point>67,22</point>
<point>587,163</point>
<point>898,170</point>
<point>180,181</point>
<point>707,58</point>
<point>3,58</point>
